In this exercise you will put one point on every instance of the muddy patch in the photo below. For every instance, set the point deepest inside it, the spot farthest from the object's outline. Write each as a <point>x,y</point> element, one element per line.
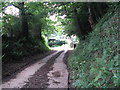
<point>56,74</point>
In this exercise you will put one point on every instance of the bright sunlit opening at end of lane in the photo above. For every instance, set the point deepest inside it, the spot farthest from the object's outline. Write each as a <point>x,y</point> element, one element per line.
<point>54,17</point>
<point>63,47</point>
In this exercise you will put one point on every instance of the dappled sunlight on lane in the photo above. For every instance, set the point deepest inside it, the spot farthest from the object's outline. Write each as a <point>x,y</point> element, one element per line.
<point>63,47</point>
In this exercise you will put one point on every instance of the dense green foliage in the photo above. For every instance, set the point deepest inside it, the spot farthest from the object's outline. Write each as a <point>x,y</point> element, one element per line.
<point>14,49</point>
<point>80,17</point>
<point>22,34</point>
<point>95,61</point>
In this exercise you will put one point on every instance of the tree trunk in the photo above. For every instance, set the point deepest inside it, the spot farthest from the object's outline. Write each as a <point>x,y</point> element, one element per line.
<point>79,24</point>
<point>92,18</point>
<point>24,20</point>
<point>99,9</point>
<point>83,26</point>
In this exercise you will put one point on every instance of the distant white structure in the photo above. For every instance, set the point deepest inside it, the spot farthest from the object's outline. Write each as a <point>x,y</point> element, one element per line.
<point>72,40</point>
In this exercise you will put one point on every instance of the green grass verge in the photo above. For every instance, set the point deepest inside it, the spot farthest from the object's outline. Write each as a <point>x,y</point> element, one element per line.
<point>95,61</point>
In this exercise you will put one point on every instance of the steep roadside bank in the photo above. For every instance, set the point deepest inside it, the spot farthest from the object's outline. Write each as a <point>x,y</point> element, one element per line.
<point>95,61</point>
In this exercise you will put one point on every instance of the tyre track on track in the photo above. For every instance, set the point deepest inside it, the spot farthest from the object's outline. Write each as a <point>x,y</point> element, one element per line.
<point>40,77</point>
<point>27,73</point>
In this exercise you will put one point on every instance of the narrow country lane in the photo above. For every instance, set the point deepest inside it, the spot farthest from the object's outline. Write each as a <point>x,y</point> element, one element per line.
<point>66,45</point>
<point>50,72</point>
